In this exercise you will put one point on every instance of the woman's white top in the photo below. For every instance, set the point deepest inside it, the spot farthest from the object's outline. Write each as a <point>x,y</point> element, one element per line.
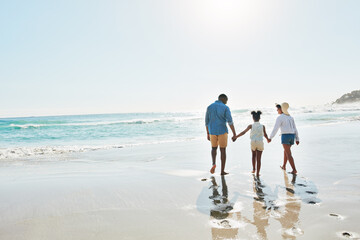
<point>257,132</point>
<point>286,124</point>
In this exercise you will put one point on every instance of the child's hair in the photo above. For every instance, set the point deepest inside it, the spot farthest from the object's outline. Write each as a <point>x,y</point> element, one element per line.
<point>256,115</point>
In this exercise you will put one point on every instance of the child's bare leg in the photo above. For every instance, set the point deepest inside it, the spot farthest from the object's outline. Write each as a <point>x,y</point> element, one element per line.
<point>253,160</point>
<point>258,162</point>
<point>289,156</point>
<point>283,167</point>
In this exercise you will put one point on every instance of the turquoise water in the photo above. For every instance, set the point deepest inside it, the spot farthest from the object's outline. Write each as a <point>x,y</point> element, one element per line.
<point>28,136</point>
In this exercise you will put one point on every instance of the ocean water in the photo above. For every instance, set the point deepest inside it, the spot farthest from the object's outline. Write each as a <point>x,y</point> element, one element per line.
<point>52,135</point>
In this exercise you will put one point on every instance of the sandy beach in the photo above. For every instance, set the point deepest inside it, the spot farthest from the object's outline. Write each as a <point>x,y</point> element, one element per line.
<point>164,191</point>
<point>106,108</point>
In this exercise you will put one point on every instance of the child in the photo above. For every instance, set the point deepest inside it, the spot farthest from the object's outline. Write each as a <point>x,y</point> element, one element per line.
<point>257,145</point>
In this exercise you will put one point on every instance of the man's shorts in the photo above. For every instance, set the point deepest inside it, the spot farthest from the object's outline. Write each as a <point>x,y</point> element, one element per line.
<point>219,140</point>
<point>257,145</point>
<point>288,139</point>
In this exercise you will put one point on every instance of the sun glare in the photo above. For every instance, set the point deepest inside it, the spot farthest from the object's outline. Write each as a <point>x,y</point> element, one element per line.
<point>228,14</point>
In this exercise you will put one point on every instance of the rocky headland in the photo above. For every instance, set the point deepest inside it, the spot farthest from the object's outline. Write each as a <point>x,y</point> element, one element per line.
<point>352,97</point>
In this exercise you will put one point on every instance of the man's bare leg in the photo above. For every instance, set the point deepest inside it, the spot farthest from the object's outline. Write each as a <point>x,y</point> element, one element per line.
<point>289,157</point>
<point>223,160</point>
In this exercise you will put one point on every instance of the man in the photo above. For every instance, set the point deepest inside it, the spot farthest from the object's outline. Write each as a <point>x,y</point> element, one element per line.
<point>217,115</point>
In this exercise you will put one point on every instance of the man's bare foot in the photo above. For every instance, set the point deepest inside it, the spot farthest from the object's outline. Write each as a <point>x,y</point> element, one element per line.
<point>224,173</point>
<point>253,171</point>
<point>257,175</point>
<point>212,170</point>
<point>293,172</point>
<point>283,168</point>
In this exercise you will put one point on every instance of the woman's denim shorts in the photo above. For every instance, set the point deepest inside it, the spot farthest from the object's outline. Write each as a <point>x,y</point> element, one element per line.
<point>288,139</point>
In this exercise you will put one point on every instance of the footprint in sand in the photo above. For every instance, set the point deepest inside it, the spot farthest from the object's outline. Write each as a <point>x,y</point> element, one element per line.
<point>225,224</point>
<point>348,235</point>
<point>338,216</point>
<point>294,231</point>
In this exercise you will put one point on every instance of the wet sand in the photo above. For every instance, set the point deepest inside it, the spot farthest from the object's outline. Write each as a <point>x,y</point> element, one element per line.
<point>166,192</point>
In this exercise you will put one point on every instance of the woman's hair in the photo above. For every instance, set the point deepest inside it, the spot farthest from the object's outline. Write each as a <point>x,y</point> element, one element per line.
<point>256,115</point>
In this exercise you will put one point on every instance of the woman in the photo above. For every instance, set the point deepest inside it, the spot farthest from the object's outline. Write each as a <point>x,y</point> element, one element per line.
<point>289,134</point>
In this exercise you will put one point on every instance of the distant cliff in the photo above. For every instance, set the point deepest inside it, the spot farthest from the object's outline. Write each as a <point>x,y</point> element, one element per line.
<point>354,96</point>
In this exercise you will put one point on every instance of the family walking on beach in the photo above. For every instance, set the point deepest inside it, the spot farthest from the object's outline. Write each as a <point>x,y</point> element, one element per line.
<point>218,114</point>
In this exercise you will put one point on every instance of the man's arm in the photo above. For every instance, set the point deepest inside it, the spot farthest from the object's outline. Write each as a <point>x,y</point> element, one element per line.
<point>233,131</point>
<point>207,119</point>
<point>207,132</point>
<point>230,122</point>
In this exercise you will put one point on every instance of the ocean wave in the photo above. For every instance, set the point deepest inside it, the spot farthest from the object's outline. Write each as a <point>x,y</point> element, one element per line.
<point>103,123</point>
<point>20,152</point>
<point>32,126</point>
<point>25,152</point>
<point>25,126</point>
<point>334,118</point>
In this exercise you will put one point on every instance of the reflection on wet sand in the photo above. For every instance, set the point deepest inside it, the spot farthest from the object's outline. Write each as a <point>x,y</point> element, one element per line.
<point>289,218</point>
<point>223,220</point>
<point>296,191</point>
<point>263,203</point>
<point>288,214</point>
<point>306,190</point>
<point>282,204</point>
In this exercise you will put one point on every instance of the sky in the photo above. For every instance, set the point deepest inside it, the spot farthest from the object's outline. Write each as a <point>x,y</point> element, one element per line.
<point>85,56</point>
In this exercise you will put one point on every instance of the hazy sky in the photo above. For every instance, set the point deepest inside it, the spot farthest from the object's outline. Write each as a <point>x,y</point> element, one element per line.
<point>67,57</point>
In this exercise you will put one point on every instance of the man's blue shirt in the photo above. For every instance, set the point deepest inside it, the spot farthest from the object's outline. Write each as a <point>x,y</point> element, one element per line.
<point>217,114</point>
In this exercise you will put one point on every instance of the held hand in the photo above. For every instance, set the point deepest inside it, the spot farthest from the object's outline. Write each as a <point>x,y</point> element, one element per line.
<point>297,142</point>
<point>234,138</point>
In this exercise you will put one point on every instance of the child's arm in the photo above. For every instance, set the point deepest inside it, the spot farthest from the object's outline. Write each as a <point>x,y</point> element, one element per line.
<point>243,132</point>
<point>265,135</point>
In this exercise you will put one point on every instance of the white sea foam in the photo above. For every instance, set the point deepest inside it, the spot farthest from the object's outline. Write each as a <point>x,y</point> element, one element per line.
<point>20,152</point>
<point>139,129</point>
<point>101,123</point>
<point>23,152</point>
<point>24,126</point>
<point>104,123</point>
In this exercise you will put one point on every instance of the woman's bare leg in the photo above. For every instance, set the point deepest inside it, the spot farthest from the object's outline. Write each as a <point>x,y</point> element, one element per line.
<point>289,157</point>
<point>283,167</point>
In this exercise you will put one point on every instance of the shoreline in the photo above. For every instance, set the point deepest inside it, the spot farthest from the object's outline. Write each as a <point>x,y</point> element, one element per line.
<point>166,191</point>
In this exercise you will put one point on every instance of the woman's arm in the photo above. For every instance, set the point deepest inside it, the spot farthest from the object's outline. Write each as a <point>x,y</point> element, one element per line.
<point>276,127</point>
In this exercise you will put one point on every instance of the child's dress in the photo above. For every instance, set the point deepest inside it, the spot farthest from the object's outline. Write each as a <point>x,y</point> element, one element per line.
<point>256,136</point>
